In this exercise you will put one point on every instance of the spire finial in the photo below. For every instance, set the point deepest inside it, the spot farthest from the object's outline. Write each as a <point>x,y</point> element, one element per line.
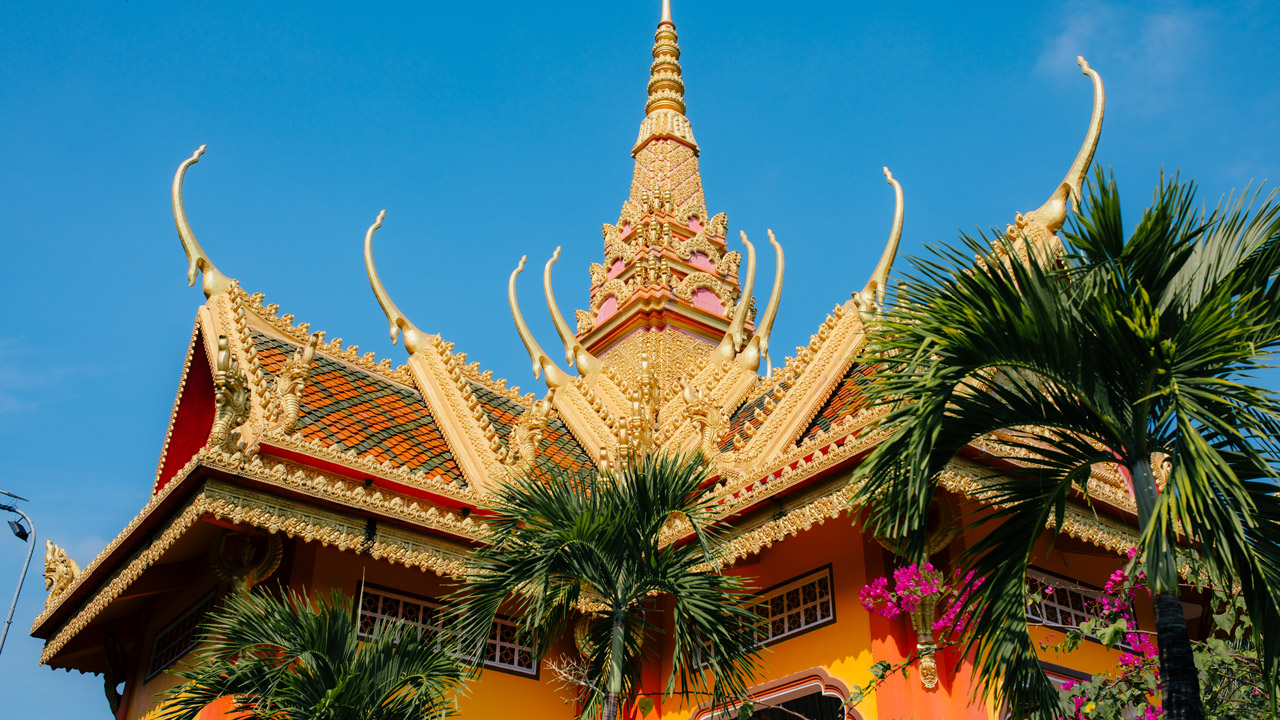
<point>666,88</point>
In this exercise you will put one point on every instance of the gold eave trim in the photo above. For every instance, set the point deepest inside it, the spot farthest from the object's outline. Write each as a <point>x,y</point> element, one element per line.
<point>223,501</point>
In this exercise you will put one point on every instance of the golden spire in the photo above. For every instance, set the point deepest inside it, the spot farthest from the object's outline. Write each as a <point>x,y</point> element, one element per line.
<point>414,339</point>
<point>871,298</point>
<point>541,361</point>
<point>586,363</point>
<point>666,87</point>
<point>214,282</point>
<point>664,110</point>
<point>758,346</point>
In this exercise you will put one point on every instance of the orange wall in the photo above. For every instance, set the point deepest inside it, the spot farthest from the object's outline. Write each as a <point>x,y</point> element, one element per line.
<point>844,650</point>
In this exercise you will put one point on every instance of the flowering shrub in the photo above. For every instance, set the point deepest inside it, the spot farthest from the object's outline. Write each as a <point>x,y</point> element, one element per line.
<point>914,583</point>
<point>1231,682</point>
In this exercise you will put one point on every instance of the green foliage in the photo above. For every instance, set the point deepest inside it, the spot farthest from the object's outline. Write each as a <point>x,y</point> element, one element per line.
<point>564,543</point>
<point>299,659</point>
<point>1126,347</point>
<point>1231,680</point>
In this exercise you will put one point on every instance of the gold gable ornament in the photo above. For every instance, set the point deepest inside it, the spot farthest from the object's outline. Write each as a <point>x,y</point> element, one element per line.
<point>60,572</point>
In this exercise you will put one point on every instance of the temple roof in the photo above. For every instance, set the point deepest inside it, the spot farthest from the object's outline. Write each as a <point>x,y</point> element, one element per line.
<point>667,357</point>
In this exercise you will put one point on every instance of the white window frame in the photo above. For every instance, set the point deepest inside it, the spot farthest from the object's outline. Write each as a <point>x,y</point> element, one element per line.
<point>772,603</point>
<point>1037,580</point>
<point>502,636</point>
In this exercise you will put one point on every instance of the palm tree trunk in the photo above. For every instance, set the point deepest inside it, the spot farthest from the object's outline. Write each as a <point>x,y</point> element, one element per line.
<point>1179,679</point>
<point>616,650</point>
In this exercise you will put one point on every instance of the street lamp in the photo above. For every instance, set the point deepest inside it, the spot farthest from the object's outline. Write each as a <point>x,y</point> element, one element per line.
<point>28,537</point>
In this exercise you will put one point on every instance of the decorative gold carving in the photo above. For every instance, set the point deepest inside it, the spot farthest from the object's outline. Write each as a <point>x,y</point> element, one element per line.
<point>735,337</point>
<point>1039,227</point>
<point>247,562</point>
<point>273,514</point>
<point>698,279</point>
<point>638,437</point>
<point>585,322</point>
<point>615,288</point>
<point>290,383</point>
<point>871,298</point>
<point>60,572</point>
<point>529,431</point>
<point>542,363</point>
<point>828,355</point>
<point>706,417</point>
<point>231,399</point>
<point>597,271</point>
<point>302,333</point>
<point>758,346</point>
<point>213,282</point>
<point>922,623</point>
<point>574,352</point>
<point>414,339</point>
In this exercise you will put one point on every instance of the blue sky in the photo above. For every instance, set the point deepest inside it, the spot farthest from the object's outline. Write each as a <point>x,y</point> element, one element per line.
<point>496,129</point>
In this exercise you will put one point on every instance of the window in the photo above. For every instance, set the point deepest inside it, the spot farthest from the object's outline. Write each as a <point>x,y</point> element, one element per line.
<point>502,651</point>
<point>796,606</point>
<point>1069,605</point>
<point>178,638</point>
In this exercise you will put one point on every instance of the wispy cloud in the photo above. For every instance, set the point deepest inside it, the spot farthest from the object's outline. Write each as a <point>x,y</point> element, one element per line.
<point>1149,51</point>
<point>24,376</point>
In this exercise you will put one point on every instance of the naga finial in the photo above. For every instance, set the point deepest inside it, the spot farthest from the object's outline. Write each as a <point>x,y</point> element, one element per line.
<point>1053,214</point>
<point>586,363</point>
<point>758,346</point>
<point>541,361</point>
<point>414,339</point>
<point>214,282</point>
<point>871,298</point>
<point>734,337</point>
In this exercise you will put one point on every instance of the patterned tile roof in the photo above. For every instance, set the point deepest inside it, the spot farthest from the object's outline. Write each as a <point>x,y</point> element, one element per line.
<point>745,415</point>
<point>847,399</point>
<point>377,418</point>
<point>558,446</point>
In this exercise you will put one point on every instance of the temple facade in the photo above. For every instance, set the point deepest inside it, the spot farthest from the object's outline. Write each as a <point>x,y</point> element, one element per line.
<point>296,459</point>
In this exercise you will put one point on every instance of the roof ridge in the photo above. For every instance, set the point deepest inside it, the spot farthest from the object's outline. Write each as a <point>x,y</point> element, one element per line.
<point>332,349</point>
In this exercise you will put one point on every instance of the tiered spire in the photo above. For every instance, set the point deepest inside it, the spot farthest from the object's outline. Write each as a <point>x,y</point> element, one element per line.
<point>666,87</point>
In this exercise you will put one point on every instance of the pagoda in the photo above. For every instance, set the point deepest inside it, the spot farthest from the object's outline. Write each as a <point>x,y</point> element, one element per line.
<point>297,459</point>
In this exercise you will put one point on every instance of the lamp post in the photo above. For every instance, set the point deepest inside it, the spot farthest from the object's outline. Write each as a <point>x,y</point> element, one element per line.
<point>30,539</point>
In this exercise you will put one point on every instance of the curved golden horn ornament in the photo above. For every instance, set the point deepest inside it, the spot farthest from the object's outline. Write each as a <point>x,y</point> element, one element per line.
<point>1053,214</point>
<point>871,299</point>
<point>541,361</point>
<point>414,339</point>
<point>733,337</point>
<point>214,282</point>
<point>586,363</point>
<point>758,346</point>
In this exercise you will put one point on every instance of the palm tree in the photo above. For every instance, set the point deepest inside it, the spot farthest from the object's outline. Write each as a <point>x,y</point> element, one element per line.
<point>592,548</point>
<point>298,659</point>
<point>1123,349</point>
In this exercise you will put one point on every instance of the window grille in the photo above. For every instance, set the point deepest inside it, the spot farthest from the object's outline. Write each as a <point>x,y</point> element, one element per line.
<point>797,606</point>
<point>1068,605</point>
<point>502,651</point>
<point>178,638</point>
